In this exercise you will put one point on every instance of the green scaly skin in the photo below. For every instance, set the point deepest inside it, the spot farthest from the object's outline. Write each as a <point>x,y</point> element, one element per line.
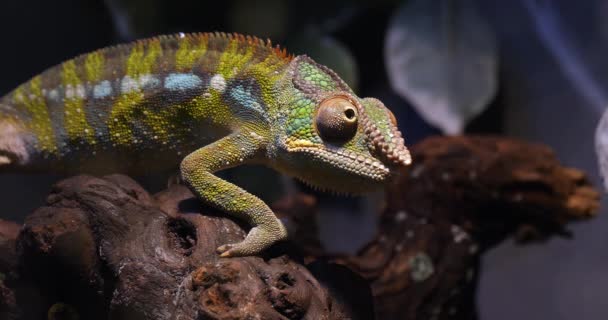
<point>209,102</point>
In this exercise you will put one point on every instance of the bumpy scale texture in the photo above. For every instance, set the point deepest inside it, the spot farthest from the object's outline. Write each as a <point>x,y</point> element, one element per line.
<point>203,103</point>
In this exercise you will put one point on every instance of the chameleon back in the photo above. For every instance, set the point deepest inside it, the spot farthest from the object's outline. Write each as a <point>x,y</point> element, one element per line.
<point>142,105</point>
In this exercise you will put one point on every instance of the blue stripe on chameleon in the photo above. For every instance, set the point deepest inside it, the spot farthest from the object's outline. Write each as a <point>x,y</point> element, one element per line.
<point>182,81</point>
<point>246,99</point>
<point>102,90</point>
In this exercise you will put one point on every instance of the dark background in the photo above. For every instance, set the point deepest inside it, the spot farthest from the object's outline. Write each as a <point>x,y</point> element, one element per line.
<point>540,99</point>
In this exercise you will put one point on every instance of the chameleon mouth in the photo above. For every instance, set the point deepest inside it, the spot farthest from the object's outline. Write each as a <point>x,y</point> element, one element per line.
<point>355,164</point>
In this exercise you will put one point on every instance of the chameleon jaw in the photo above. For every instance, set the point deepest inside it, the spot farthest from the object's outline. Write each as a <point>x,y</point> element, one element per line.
<point>355,164</point>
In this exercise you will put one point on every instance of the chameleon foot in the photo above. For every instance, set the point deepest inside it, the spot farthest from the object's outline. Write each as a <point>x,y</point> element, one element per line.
<point>256,241</point>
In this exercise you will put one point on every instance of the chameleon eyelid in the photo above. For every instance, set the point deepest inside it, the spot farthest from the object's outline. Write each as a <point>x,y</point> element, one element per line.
<point>336,119</point>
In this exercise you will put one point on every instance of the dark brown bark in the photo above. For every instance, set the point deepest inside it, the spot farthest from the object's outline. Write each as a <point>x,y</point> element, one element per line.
<point>104,248</point>
<point>462,196</point>
<point>8,264</point>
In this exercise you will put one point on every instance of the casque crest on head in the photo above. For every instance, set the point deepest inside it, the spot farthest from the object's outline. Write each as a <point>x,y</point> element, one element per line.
<point>339,113</point>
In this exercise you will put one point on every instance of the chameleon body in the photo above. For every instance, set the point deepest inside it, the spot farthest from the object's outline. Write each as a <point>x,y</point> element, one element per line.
<point>203,103</point>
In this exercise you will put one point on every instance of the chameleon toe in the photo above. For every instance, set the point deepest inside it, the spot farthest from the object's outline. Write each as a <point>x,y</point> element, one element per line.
<point>224,250</point>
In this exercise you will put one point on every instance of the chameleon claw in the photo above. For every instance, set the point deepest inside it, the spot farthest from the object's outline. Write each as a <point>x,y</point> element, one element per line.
<point>224,251</point>
<point>225,255</point>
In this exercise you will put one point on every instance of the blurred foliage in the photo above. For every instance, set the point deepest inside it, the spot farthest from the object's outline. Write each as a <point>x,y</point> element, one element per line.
<point>441,56</point>
<point>135,17</point>
<point>601,147</point>
<point>263,18</point>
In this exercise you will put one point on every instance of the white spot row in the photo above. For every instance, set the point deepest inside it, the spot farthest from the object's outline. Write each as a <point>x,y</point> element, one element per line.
<point>172,82</point>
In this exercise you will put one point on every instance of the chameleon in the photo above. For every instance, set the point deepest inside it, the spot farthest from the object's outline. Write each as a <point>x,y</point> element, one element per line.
<point>199,103</point>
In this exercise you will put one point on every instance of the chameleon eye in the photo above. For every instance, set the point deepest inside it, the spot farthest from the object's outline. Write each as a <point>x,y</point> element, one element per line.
<point>336,119</point>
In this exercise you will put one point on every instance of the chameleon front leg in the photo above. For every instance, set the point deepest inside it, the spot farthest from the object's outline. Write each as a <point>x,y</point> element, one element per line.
<point>197,172</point>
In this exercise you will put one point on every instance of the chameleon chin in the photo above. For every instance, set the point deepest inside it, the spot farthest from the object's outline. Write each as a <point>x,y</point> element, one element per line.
<point>203,102</point>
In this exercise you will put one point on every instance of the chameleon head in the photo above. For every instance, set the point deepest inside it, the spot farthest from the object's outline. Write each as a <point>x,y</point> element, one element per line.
<point>336,141</point>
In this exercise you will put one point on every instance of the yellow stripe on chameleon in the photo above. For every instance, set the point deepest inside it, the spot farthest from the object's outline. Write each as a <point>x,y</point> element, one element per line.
<point>93,66</point>
<point>266,77</point>
<point>165,123</point>
<point>210,106</point>
<point>69,77</point>
<point>189,51</point>
<point>74,118</point>
<point>119,121</point>
<point>134,60</point>
<point>40,123</point>
<point>232,60</point>
<point>159,124</point>
<point>141,61</point>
